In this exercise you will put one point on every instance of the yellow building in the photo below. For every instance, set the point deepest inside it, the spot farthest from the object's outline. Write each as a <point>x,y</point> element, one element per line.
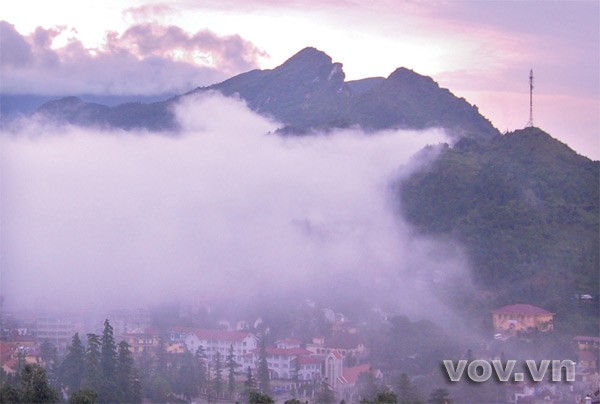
<point>522,318</point>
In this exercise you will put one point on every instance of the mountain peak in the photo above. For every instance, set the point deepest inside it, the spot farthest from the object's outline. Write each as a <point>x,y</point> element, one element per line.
<point>309,55</point>
<point>403,75</point>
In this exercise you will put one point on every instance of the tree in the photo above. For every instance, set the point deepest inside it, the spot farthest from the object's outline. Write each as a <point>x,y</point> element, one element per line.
<point>232,366</point>
<point>368,386</point>
<point>160,389</point>
<point>72,368</point>
<point>83,396</point>
<point>161,359</point>
<point>218,381</point>
<point>202,373</point>
<point>187,378</point>
<point>35,387</point>
<point>257,397</point>
<point>383,397</point>
<point>264,382</point>
<point>93,373</point>
<point>49,354</point>
<point>249,383</point>
<point>440,396</point>
<point>8,394</point>
<point>109,352</point>
<point>125,374</point>
<point>406,391</point>
<point>326,394</point>
<point>145,365</point>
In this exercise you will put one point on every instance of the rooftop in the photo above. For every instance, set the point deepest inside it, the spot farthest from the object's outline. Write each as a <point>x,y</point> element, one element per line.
<point>220,335</point>
<point>527,309</point>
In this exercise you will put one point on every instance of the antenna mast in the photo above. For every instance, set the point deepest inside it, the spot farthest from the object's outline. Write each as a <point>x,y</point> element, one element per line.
<point>530,123</point>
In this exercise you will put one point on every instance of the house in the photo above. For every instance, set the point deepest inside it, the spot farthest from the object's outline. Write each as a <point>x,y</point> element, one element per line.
<point>522,318</point>
<point>214,341</point>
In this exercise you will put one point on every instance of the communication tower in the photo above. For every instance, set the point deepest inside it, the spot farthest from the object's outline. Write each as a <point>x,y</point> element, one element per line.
<point>530,122</point>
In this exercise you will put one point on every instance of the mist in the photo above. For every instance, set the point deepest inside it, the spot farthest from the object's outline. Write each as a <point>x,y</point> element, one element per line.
<point>224,208</point>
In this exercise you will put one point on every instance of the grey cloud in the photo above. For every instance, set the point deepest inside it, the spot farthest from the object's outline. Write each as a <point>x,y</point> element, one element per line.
<point>145,59</point>
<point>15,50</point>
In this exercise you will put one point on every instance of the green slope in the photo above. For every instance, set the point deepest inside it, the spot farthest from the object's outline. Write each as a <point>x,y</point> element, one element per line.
<point>525,206</point>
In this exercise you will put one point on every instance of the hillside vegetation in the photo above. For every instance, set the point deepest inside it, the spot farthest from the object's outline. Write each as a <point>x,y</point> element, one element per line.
<point>526,207</point>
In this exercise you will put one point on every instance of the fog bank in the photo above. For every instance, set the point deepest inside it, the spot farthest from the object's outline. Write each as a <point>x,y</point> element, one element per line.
<point>96,218</point>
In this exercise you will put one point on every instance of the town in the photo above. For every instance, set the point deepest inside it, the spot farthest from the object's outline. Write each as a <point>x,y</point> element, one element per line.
<point>189,353</point>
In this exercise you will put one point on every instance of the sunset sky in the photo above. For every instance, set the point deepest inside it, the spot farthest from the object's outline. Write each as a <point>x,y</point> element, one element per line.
<point>480,50</point>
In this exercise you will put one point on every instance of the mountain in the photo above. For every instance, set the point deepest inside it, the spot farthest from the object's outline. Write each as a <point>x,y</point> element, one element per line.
<point>307,92</point>
<point>526,207</point>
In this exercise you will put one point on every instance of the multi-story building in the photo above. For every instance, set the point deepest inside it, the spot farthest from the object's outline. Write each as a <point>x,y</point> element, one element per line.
<point>282,363</point>
<point>214,341</point>
<point>57,331</point>
<point>141,341</point>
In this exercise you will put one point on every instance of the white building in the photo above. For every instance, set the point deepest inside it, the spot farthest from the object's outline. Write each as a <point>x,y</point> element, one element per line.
<point>282,363</point>
<point>214,341</point>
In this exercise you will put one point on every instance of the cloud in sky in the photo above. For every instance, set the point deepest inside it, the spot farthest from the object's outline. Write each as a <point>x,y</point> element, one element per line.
<point>99,219</point>
<point>479,50</point>
<point>145,59</point>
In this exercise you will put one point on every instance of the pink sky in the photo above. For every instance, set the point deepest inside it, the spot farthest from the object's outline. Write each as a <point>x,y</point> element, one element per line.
<point>480,50</point>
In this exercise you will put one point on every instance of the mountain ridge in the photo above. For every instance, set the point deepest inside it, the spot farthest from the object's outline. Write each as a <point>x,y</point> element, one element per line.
<point>306,93</point>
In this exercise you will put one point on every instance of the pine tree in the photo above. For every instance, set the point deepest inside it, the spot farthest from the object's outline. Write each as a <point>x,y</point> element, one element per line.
<point>49,354</point>
<point>264,382</point>
<point>108,361</point>
<point>35,387</point>
<point>93,372</point>
<point>161,359</point>
<point>326,394</point>
<point>249,383</point>
<point>232,366</point>
<point>202,373</point>
<point>218,382</point>
<point>109,352</point>
<point>72,368</point>
<point>145,364</point>
<point>124,373</point>
<point>187,378</point>
<point>407,392</point>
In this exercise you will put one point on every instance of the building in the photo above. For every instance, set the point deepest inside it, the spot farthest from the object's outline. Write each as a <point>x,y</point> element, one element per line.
<point>285,363</point>
<point>214,341</point>
<point>522,318</point>
<point>588,354</point>
<point>57,331</point>
<point>346,382</point>
<point>141,341</point>
<point>344,343</point>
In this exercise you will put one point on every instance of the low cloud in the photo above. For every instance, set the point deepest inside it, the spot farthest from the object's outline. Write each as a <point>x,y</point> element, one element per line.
<point>225,209</point>
<point>147,58</point>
